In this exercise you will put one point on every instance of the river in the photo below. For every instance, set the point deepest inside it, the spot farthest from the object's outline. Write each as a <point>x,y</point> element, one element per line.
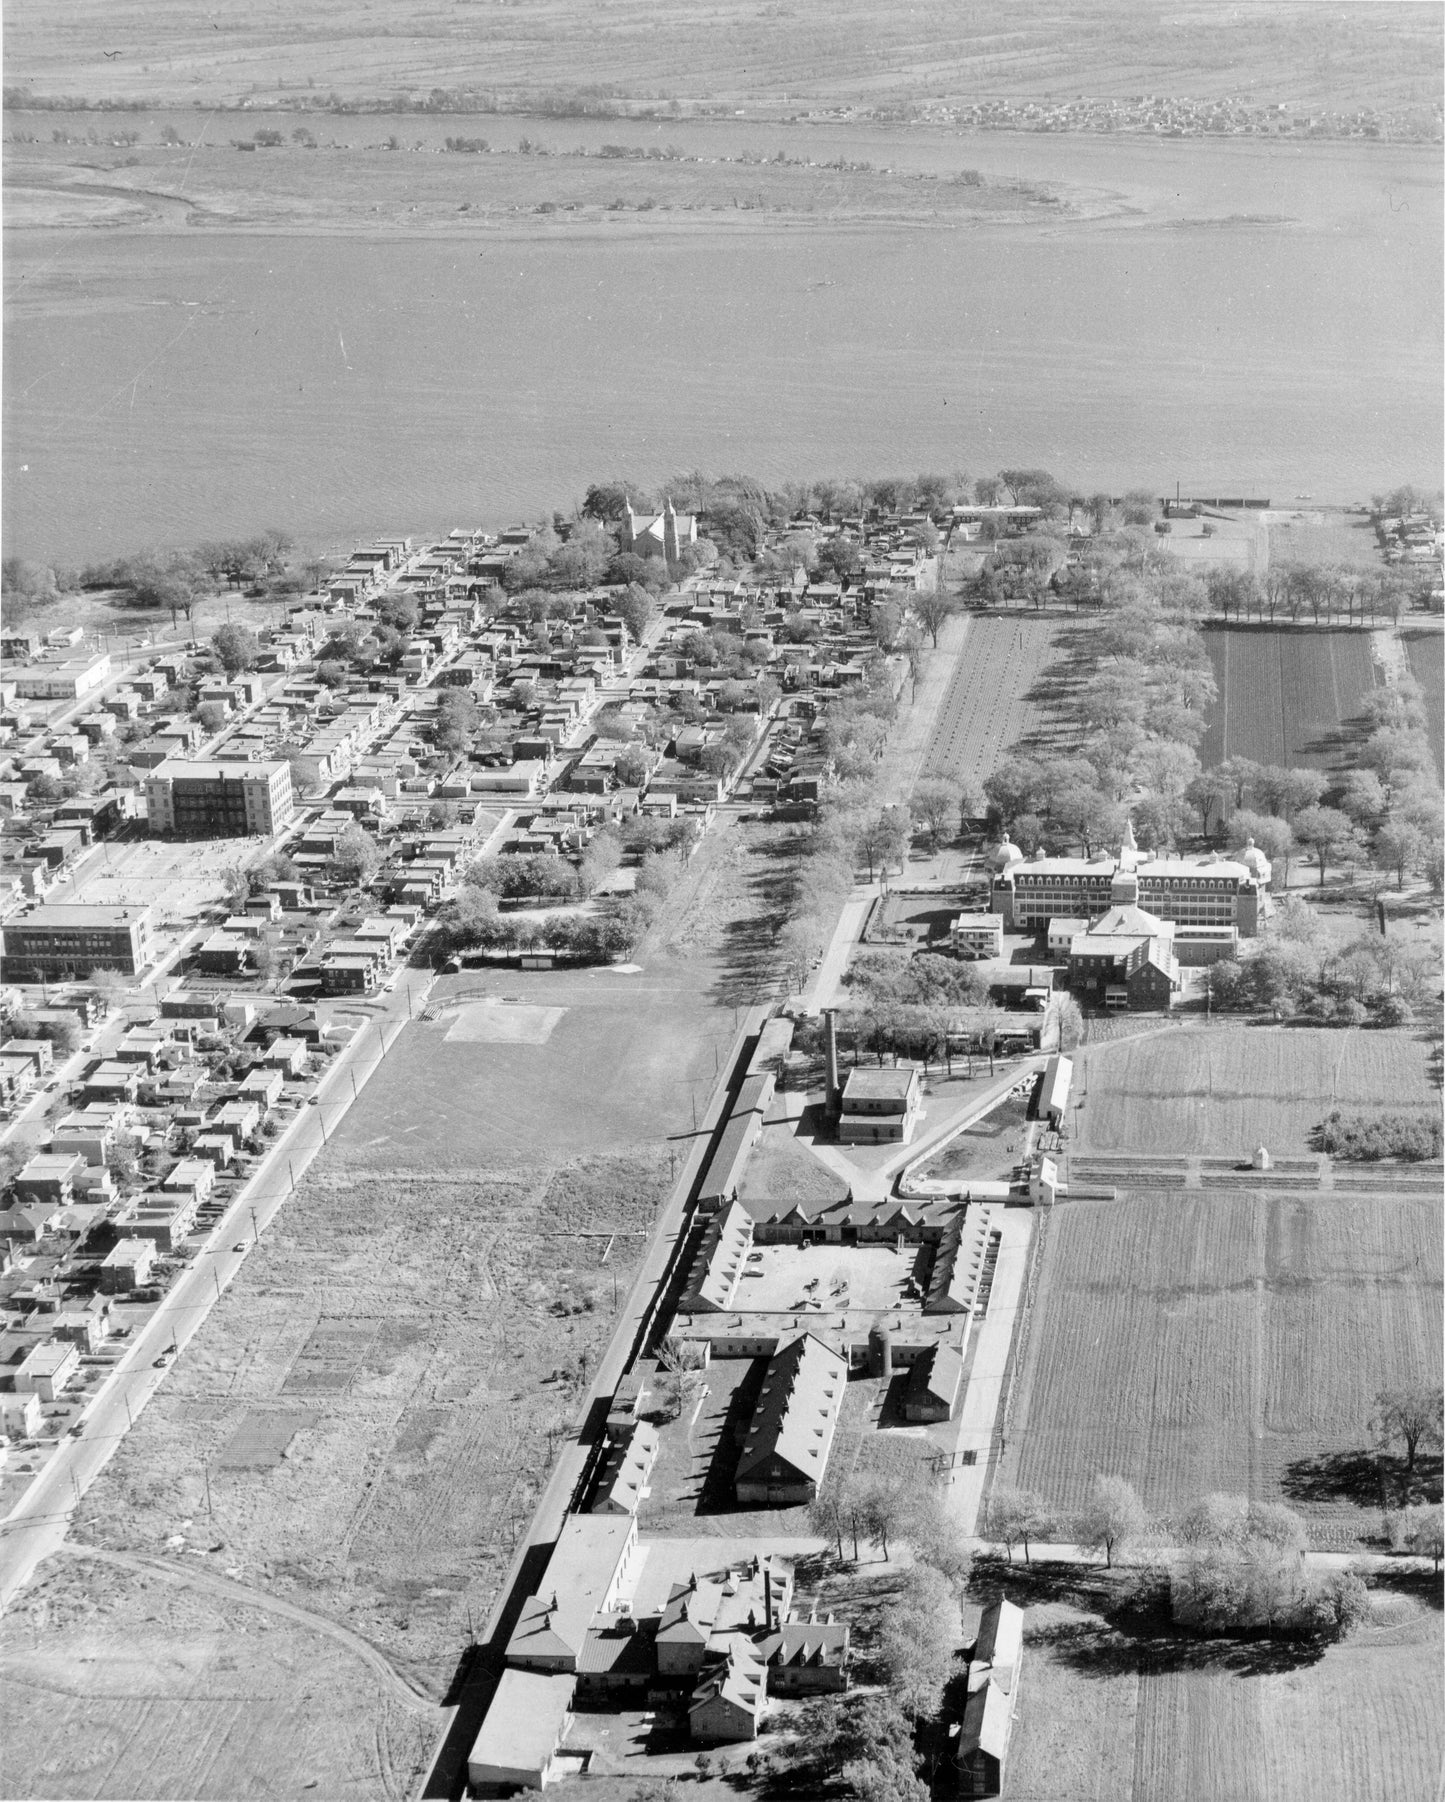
<point>1245,317</point>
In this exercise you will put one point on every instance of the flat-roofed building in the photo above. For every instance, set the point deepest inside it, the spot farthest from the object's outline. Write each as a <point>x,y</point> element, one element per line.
<point>127,1266</point>
<point>879,1106</point>
<point>977,935</point>
<point>68,681</point>
<point>60,942</point>
<point>46,1369</point>
<point>524,1728</point>
<point>219,800</point>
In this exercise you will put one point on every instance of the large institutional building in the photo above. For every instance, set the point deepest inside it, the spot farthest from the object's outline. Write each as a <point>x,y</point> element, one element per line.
<point>1201,895</point>
<point>219,800</point>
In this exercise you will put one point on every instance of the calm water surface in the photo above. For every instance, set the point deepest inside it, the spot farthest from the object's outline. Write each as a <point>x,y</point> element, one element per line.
<point>170,387</point>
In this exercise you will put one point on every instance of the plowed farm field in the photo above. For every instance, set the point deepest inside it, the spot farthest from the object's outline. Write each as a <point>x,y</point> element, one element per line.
<point>1102,1716</point>
<point>992,702</point>
<point>1198,1340</point>
<point>1222,1092</point>
<point>1219,1335</point>
<point>1287,697</point>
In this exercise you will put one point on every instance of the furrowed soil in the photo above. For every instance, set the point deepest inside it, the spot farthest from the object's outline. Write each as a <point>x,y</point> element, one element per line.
<point>1224,1091</point>
<point>1214,1328</point>
<point>737,52</point>
<point>1153,1719</point>
<point>1289,697</point>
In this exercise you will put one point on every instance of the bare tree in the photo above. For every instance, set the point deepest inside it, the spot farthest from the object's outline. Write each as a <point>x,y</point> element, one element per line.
<point>1113,1519</point>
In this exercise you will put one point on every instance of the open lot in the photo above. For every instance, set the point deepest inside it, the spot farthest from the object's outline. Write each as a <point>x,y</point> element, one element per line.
<point>363,1423</point>
<point>1287,696</point>
<point>1140,1716</point>
<point>1227,1340</point>
<point>1226,1090</point>
<point>988,1149</point>
<point>146,1682</point>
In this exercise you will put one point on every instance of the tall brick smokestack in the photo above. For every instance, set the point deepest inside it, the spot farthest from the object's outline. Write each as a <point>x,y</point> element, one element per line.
<point>830,1039</point>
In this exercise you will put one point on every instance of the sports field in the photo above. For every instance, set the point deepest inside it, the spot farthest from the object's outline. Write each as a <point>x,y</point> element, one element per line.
<point>1140,1720</point>
<point>994,699</point>
<point>1221,1092</point>
<point>1286,696</point>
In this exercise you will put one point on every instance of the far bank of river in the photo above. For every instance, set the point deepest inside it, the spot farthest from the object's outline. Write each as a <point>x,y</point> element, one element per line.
<point>1250,316</point>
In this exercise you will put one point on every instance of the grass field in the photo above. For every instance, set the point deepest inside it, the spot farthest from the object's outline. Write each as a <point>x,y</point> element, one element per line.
<point>1426,651</point>
<point>1286,697</point>
<point>737,52</point>
<point>1201,1340</point>
<point>1104,1714</point>
<point>1224,1091</point>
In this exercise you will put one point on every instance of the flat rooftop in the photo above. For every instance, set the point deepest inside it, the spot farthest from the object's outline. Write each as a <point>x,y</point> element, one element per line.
<point>523,1724</point>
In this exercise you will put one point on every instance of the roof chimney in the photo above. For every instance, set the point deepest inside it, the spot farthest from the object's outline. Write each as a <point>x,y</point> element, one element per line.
<point>830,1051</point>
<point>768,1597</point>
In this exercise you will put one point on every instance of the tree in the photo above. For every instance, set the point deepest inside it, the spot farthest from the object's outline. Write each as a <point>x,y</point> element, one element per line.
<point>1014,1517</point>
<point>355,854</point>
<point>932,611</point>
<point>1324,830</point>
<point>917,1634</point>
<point>108,986</point>
<point>883,840</point>
<point>1400,846</point>
<point>236,647</point>
<point>1413,1416</point>
<point>1113,1518</point>
<point>935,806</point>
<point>1427,1535</point>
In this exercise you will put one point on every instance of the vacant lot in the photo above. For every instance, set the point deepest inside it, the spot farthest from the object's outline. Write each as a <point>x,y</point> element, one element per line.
<point>996,697</point>
<point>1426,651</point>
<point>1200,1340</point>
<point>1288,697</point>
<point>363,1423</point>
<point>135,1682</point>
<point>1139,1718</point>
<point>988,1149</point>
<point>1224,1091</point>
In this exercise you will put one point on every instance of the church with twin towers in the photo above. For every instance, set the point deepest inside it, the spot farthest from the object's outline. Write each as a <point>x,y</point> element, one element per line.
<point>662,534</point>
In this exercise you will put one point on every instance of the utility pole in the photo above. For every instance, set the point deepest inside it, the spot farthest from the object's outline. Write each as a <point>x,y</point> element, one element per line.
<point>206,1479</point>
<point>216,1278</point>
<point>255,1229</point>
<point>129,1418</point>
